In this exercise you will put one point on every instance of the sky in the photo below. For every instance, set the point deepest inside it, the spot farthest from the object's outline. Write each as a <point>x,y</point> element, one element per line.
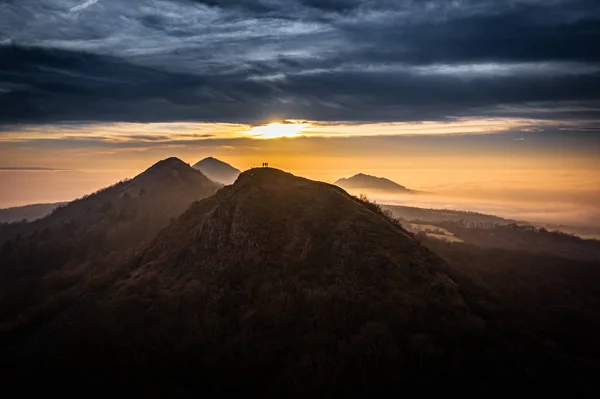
<point>488,100</point>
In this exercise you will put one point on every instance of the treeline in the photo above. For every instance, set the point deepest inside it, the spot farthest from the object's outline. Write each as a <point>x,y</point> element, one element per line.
<point>428,216</point>
<point>524,238</point>
<point>382,211</point>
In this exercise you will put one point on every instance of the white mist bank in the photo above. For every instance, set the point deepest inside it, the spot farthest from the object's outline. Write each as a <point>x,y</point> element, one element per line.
<point>566,198</point>
<point>581,218</point>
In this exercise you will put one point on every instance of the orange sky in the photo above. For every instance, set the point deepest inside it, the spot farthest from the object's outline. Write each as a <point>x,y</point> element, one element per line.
<point>478,159</point>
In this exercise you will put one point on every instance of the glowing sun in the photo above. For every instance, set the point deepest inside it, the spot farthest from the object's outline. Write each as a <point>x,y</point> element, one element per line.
<point>278,129</point>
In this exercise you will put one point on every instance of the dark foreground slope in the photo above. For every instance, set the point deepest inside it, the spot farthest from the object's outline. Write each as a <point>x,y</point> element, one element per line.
<point>553,297</point>
<point>279,285</point>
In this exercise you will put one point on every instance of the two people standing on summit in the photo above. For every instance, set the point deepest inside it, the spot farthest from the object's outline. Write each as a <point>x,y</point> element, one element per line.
<point>265,165</point>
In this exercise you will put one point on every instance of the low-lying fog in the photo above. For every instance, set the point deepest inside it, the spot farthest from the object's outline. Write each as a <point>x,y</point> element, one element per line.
<point>580,218</point>
<point>569,199</point>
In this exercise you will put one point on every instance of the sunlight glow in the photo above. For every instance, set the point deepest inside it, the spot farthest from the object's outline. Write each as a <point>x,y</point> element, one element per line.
<point>288,128</point>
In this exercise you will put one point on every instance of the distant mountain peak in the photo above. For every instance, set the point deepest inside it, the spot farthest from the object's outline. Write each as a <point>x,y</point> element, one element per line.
<point>368,182</point>
<point>168,163</point>
<point>166,172</point>
<point>129,212</point>
<point>217,170</point>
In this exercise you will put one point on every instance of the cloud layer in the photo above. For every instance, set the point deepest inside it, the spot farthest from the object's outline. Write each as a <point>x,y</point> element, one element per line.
<point>250,61</point>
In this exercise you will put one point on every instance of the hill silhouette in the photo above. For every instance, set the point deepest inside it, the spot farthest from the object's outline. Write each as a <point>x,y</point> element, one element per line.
<point>74,239</point>
<point>371,183</point>
<point>411,213</point>
<point>217,170</point>
<point>150,200</point>
<point>279,286</point>
<point>27,212</point>
<point>274,284</point>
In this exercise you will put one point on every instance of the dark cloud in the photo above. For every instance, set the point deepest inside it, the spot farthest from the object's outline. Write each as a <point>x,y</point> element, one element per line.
<point>251,61</point>
<point>256,6</point>
<point>336,5</point>
<point>550,141</point>
<point>513,36</point>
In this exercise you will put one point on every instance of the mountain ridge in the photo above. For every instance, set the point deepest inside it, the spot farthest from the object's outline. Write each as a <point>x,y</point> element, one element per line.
<point>115,219</point>
<point>273,264</point>
<point>29,212</point>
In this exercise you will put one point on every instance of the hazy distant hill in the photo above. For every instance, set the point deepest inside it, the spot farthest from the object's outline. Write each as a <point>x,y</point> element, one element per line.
<point>117,218</point>
<point>524,237</point>
<point>410,213</point>
<point>217,170</point>
<point>27,212</point>
<point>495,232</point>
<point>371,183</point>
